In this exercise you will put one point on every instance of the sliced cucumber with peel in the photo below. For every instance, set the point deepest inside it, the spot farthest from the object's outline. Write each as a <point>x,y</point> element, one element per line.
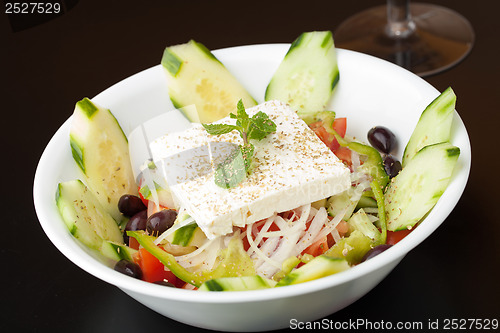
<point>117,251</point>
<point>100,148</point>
<point>434,125</point>
<point>360,221</point>
<point>307,75</point>
<point>164,196</point>
<point>85,217</point>
<point>351,248</point>
<point>189,235</point>
<point>318,267</point>
<point>196,76</point>
<point>342,202</point>
<point>239,283</point>
<point>418,187</point>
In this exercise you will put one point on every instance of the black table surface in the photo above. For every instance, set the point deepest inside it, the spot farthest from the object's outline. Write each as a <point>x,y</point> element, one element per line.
<point>47,67</point>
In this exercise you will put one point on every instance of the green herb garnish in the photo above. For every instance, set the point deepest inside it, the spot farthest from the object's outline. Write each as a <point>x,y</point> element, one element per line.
<point>235,167</point>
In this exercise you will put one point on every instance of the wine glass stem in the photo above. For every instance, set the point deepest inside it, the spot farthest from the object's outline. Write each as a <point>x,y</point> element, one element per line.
<point>399,21</point>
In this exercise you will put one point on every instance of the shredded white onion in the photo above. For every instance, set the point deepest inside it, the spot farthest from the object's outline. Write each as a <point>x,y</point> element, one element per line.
<point>308,238</point>
<point>259,235</point>
<point>330,226</point>
<point>355,161</point>
<point>371,210</point>
<point>196,252</point>
<point>267,249</point>
<point>257,251</point>
<point>212,253</point>
<point>336,236</point>
<point>372,218</point>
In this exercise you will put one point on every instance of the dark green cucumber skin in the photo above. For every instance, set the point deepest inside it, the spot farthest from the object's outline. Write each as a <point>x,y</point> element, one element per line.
<point>319,268</point>
<point>455,151</point>
<point>213,285</point>
<point>171,62</point>
<point>77,148</point>
<point>73,228</point>
<point>77,153</point>
<point>87,107</point>
<point>180,237</point>
<point>395,198</point>
<point>299,40</point>
<point>336,80</point>
<point>441,111</point>
<point>205,50</point>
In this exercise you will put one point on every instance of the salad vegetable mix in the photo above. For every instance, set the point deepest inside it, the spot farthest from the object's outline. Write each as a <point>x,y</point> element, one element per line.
<point>352,201</point>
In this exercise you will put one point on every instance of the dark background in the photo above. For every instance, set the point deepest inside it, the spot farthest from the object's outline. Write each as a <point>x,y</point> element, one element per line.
<point>47,67</point>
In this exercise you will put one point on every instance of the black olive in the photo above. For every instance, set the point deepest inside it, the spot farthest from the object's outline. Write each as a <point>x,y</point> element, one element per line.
<point>129,205</point>
<point>136,222</point>
<point>128,268</point>
<point>159,222</point>
<point>382,139</point>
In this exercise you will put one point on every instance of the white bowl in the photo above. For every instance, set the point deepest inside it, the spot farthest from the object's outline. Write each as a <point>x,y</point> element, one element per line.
<point>370,92</point>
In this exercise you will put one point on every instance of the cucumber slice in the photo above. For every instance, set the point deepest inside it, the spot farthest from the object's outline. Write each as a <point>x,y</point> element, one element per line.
<point>164,196</point>
<point>196,76</point>
<point>84,216</point>
<point>307,75</point>
<point>360,221</point>
<point>434,125</point>
<point>117,251</point>
<point>351,248</point>
<point>100,149</point>
<point>240,283</point>
<point>366,202</point>
<point>317,268</point>
<point>189,235</point>
<point>417,188</point>
<point>339,202</point>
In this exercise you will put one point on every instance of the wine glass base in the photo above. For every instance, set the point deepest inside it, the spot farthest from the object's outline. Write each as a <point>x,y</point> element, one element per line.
<point>442,38</point>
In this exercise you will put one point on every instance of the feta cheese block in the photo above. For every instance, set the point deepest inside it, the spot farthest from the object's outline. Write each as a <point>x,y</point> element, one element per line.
<point>290,168</point>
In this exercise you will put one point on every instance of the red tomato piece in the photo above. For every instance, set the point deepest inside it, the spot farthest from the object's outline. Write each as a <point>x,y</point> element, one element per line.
<point>340,126</point>
<point>145,201</point>
<point>321,132</point>
<point>344,154</point>
<point>152,269</point>
<point>317,248</point>
<point>394,237</point>
<point>133,243</point>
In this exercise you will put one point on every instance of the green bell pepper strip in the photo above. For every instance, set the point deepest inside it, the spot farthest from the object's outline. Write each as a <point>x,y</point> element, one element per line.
<point>326,117</point>
<point>379,197</point>
<point>235,261</point>
<point>374,165</point>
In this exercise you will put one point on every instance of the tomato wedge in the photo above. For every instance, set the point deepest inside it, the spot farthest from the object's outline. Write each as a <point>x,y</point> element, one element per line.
<point>394,237</point>
<point>153,270</point>
<point>339,125</point>
<point>317,248</point>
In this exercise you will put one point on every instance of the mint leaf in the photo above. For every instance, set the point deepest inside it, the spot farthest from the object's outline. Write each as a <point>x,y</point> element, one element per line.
<point>218,129</point>
<point>242,118</point>
<point>247,153</point>
<point>232,170</point>
<point>260,126</point>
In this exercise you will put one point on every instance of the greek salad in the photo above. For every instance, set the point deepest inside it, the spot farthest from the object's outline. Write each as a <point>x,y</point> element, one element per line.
<point>247,196</point>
